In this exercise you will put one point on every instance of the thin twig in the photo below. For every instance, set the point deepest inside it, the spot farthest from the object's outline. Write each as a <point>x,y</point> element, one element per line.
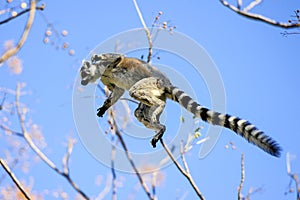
<point>285,33</point>
<point>251,192</point>
<point>128,155</point>
<point>296,179</point>
<point>3,100</point>
<point>27,136</point>
<point>239,4</point>
<point>252,5</point>
<point>260,17</point>
<point>7,54</point>
<point>187,175</point>
<point>131,100</point>
<point>293,176</point>
<point>146,30</point>
<point>40,154</point>
<point>6,129</point>
<point>153,184</point>
<point>15,161</point>
<point>14,179</point>
<point>113,172</point>
<point>242,177</point>
<point>75,186</point>
<point>183,158</point>
<point>105,190</point>
<point>42,7</point>
<point>66,158</point>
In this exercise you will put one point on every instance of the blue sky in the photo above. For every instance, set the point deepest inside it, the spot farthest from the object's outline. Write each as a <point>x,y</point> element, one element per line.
<point>259,68</point>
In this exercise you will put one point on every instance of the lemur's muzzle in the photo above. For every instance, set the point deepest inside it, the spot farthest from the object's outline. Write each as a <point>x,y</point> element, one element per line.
<point>84,82</point>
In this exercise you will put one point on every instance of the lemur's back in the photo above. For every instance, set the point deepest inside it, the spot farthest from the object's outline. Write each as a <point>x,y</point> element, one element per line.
<point>129,71</point>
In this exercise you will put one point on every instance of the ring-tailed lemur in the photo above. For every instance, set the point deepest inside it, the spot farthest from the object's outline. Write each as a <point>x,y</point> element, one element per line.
<point>151,88</point>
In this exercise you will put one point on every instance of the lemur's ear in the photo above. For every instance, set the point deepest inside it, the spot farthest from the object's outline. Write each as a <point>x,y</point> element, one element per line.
<point>116,62</point>
<point>95,58</point>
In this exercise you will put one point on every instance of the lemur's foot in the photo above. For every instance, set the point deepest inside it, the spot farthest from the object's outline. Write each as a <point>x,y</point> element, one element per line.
<point>101,111</point>
<point>157,136</point>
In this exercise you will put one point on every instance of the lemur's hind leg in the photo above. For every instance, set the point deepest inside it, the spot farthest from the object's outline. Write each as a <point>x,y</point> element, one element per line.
<point>149,117</point>
<point>151,95</point>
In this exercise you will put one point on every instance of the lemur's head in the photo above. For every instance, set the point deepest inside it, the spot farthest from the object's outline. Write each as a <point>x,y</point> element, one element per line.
<point>91,71</point>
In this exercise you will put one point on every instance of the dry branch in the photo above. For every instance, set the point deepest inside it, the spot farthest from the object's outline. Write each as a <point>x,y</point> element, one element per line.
<point>66,158</point>
<point>153,184</point>
<point>21,42</point>
<point>113,172</point>
<point>105,190</point>
<point>40,154</point>
<point>293,176</point>
<point>242,177</point>
<point>183,158</point>
<point>258,17</point>
<point>128,155</point>
<point>14,179</point>
<point>10,131</point>
<point>42,7</point>
<point>185,173</point>
<point>146,30</point>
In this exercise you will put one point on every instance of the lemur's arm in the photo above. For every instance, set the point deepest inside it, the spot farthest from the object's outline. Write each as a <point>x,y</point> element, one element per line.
<point>111,100</point>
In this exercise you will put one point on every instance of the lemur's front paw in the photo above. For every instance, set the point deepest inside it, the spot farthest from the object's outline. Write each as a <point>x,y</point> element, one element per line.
<point>101,111</point>
<point>154,141</point>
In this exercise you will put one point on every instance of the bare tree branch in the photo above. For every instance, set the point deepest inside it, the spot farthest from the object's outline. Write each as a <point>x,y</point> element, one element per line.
<point>42,7</point>
<point>285,33</point>
<point>128,155</point>
<point>296,180</point>
<point>27,136</point>
<point>113,172</point>
<point>239,4</point>
<point>258,17</point>
<point>21,42</point>
<point>105,190</point>
<point>40,154</point>
<point>14,179</point>
<point>252,191</point>
<point>183,158</point>
<point>3,100</point>
<point>293,176</point>
<point>168,151</point>
<point>66,158</point>
<point>146,30</point>
<point>6,129</point>
<point>153,184</point>
<point>242,177</point>
<point>252,5</point>
<point>185,173</point>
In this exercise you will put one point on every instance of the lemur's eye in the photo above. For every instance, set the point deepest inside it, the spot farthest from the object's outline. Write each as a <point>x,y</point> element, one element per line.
<point>93,58</point>
<point>84,73</point>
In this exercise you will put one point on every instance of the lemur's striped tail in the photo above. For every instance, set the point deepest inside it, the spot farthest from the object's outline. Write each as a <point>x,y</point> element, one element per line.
<point>240,126</point>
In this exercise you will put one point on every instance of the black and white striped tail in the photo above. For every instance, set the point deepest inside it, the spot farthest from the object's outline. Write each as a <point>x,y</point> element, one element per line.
<point>240,126</point>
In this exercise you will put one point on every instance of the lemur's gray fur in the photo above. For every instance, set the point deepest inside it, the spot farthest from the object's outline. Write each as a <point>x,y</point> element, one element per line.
<point>151,88</point>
